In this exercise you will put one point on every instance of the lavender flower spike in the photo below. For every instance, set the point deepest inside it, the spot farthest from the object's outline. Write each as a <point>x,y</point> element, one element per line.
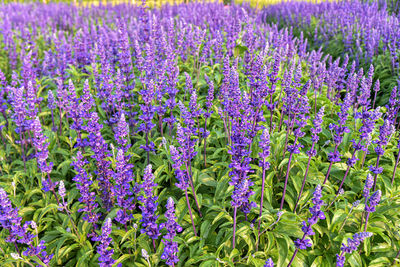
<point>269,263</point>
<point>312,152</point>
<point>317,214</point>
<point>385,132</point>
<point>52,105</point>
<point>352,245</point>
<point>105,259</point>
<point>122,132</point>
<point>373,201</point>
<point>265,146</point>
<point>171,247</point>
<point>122,188</point>
<point>149,207</point>
<point>397,161</point>
<point>10,220</point>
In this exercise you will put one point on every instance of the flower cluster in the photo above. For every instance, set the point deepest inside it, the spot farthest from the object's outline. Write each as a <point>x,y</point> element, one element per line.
<point>265,146</point>
<point>317,214</point>
<point>316,130</point>
<point>373,201</point>
<point>122,189</point>
<point>183,182</point>
<point>105,259</point>
<point>99,147</point>
<point>269,263</point>
<point>352,245</point>
<point>10,220</point>
<point>171,247</point>
<point>83,182</point>
<point>122,132</point>
<point>149,205</point>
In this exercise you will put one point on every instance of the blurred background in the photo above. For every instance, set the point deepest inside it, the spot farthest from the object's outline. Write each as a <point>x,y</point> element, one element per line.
<point>155,3</point>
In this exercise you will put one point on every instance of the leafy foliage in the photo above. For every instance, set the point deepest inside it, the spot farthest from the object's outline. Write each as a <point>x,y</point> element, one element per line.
<point>157,136</point>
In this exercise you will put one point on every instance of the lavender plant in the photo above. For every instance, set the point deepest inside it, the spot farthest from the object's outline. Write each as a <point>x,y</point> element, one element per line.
<point>85,87</point>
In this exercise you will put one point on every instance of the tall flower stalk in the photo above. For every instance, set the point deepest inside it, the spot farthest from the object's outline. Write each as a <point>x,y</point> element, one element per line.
<point>397,161</point>
<point>122,189</point>
<point>207,114</point>
<point>376,90</point>
<point>41,144</point>
<point>264,144</point>
<point>147,115</point>
<point>99,147</point>
<point>339,130</point>
<point>105,259</point>
<point>373,201</point>
<point>83,184</point>
<point>352,245</point>
<point>52,106</point>
<point>183,179</point>
<point>19,115</point>
<point>385,132</point>
<point>149,206</point>
<point>240,158</point>
<point>171,247</point>
<point>64,206</point>
<point>312,152</point>
<point>187,138</point>
<point>368,124</point>
<point>300,107</point>
<point>317,214</point>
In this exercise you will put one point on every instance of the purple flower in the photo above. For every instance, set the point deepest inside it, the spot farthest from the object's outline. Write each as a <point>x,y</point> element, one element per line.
<point>352,245</point>
<point>369,183</point>
<point>105,259</point>
<point>31,101</point>
<point>340,260</point>
<point>183,182</point>
<point>317,214</point>
<point>302,243</point>
<point>373,201</point>
<point>38,251</point>
<point>122,189</point>
<point>124,54</point>
<point>147,115</point>
<point>19,105</point>
<point>317,129</point>
<point>189,85</point>
<point>100,149</point>
<point>51,101</point>
<point>240,196</point>
<point>171,247</point>
<point>377,86</point>
<point>87,100</point>
<point>10,220</point>
<point>265,146</point>
<point>41,145</point>
<point>149,205</point>
<point>122,132</point>
<point>184,136</point>
<point>385,132</point>
<point>83,183</point>
<point>269,263</point>
<point>340,129</point>
<point>210,97</point>
<point>375,170</point>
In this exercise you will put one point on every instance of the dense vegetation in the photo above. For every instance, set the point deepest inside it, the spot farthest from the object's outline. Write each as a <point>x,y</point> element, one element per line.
<point>194,135</point>
<point>367,32</point>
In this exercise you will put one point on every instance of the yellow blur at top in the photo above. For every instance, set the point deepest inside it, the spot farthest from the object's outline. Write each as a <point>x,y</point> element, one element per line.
<point>158,3</point>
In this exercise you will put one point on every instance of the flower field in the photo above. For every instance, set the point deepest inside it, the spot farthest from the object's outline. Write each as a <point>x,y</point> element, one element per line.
<point>200,134</point>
